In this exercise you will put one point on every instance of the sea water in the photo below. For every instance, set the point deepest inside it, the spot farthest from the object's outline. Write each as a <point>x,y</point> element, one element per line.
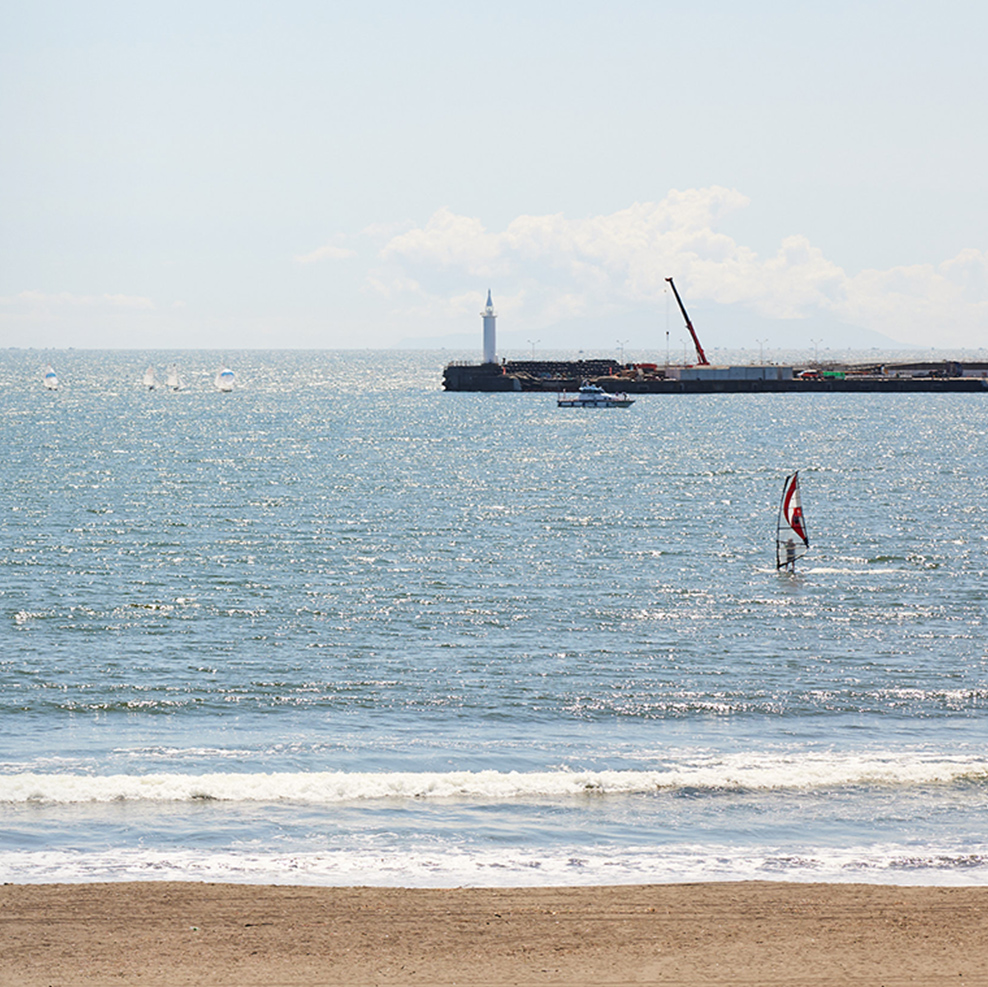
<point>341,627</point>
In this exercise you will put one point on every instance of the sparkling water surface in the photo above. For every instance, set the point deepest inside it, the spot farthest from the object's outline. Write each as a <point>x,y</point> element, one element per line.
<point>338,626</point>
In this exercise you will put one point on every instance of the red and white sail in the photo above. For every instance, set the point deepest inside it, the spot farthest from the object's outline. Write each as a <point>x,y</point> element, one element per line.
<point>792,508</point>
<point>791,522</point>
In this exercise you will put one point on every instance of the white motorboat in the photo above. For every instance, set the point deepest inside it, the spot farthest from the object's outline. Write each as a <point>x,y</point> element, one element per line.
<point>592,396</point>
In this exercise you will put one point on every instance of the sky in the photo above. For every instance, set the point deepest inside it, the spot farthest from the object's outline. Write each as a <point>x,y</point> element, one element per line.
<point>324,175</point>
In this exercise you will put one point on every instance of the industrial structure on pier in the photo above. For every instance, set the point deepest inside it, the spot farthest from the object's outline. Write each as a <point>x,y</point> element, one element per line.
<point>702,377</point>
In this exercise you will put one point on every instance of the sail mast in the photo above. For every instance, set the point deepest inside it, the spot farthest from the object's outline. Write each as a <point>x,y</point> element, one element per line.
<point>779,563</point>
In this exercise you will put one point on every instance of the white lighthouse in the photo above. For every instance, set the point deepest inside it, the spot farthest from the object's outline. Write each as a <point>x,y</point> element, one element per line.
<point>490,344</point>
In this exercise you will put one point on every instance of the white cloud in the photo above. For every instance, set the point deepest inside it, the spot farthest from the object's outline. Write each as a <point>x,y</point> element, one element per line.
<point>552,267</point>
<point>35,318</point>
<point>328,252</point>
<point>449,241</point>
<point>389,286</point>
<point>937,305</point>
<point>39,304</point>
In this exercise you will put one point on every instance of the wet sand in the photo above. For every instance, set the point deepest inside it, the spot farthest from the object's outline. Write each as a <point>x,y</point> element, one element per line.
<point>739,933</point>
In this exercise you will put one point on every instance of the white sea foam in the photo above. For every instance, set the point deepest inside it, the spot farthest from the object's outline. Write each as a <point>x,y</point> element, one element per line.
<point>832,571</point>
<point>808,771</point>
<point>447,866</point>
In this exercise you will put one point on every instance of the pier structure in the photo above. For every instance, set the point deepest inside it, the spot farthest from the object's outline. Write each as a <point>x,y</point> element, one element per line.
<point>702,377</point>
<point>650,378</point>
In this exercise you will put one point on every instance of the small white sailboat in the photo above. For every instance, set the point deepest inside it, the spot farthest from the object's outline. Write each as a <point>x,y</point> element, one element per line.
<point>150,381</point>
<point>51,379</point>
<point>172,379</point>
<point>791,521</point>
<point>224,379</point>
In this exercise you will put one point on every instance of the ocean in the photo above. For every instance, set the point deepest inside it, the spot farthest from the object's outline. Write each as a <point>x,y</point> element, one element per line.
<point>339,627</point>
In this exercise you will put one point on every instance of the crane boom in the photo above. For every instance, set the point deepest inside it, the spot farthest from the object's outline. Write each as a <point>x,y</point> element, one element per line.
<point>701,357</point>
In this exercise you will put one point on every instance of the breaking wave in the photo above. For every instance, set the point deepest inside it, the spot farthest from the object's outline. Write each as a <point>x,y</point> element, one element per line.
<point>325,787</point>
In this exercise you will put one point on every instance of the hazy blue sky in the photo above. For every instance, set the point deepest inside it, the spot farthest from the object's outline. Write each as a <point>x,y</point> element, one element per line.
<point>318,174</point>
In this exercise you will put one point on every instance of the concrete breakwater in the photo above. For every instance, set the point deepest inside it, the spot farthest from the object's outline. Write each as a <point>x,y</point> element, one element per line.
<point>651,379</point>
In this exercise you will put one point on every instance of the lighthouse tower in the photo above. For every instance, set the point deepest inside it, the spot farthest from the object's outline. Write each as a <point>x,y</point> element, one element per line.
<point>490,317</point>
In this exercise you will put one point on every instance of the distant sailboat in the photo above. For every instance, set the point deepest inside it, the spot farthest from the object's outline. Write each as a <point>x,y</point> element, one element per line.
<point>791,521</point>
<point>172,380</point>
<point>224,380</point>
<point>150,381</point>
<point>51,379</point>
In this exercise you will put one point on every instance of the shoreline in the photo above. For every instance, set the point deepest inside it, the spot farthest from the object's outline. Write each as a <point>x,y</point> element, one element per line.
<point>171,933</point>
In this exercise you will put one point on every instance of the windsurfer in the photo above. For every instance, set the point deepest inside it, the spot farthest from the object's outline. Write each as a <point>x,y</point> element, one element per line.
<point>791,555</point>
<point>790,522</point>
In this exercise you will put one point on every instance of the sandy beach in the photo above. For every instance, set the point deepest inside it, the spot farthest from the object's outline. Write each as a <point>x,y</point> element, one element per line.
<point>732,933</point>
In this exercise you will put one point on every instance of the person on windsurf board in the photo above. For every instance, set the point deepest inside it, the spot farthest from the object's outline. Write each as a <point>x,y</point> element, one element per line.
<point>790,521</point>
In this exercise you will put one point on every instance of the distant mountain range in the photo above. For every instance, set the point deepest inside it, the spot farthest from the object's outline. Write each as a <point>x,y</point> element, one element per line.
<point>718,326</point>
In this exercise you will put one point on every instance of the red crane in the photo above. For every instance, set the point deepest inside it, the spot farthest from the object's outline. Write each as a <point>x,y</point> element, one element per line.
<point>701,357</point>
